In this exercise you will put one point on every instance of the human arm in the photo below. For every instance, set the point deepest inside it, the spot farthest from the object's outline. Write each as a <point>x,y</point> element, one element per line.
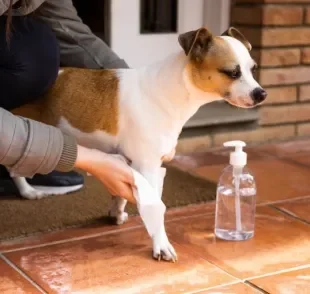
<point>29,147</point>
<point>79,47</point>
<point>113,172</point>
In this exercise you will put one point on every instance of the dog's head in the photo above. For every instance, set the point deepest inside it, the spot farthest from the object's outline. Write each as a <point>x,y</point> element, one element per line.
<point>222,65</point>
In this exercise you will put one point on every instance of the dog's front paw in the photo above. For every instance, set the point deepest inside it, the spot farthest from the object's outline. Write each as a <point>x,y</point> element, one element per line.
<point>121,217</point>
<point>162,248</point>
<point>32,194</point>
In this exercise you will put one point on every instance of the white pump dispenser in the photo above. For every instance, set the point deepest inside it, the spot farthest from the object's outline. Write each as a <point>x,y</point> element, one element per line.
<point>238,157</point>
<point>236,197</point>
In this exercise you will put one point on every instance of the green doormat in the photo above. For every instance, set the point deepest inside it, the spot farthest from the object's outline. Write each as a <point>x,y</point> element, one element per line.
<point>20,217</point>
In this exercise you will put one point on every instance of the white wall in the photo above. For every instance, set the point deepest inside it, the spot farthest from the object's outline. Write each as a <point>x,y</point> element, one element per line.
<point>139,50</point>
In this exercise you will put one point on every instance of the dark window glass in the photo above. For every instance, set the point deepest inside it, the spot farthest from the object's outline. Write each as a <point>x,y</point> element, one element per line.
<point>95,14</point>
<point>158,16</point>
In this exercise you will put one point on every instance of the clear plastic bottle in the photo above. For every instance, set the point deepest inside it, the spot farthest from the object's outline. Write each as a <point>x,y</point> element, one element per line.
<point>236,198</point>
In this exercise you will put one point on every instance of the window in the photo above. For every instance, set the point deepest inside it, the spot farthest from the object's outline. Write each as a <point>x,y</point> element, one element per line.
<point>158,16</point>
<point>96,15</point>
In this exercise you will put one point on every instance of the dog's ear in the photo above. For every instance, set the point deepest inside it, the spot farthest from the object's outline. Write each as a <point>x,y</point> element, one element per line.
<point>196,43</point>
<point>233,32</point>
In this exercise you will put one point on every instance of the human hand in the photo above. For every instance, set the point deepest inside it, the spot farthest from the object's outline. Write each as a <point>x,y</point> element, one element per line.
<point>113,172</point>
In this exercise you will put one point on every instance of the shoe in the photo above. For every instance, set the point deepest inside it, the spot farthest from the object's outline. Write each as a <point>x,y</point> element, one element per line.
<point>55,183</point>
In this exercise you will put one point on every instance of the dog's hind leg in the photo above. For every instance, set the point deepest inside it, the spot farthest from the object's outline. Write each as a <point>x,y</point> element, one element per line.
<point>117,210</point>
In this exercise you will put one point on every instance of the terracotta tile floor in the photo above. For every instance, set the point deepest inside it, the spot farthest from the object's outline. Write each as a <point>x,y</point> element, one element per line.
<point>110,259</point>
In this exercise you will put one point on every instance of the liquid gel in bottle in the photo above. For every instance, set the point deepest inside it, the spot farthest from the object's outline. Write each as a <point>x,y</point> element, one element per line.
<point>236,198</point>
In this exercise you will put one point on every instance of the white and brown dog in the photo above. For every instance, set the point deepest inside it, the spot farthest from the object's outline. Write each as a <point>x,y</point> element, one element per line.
<point>139,113</point>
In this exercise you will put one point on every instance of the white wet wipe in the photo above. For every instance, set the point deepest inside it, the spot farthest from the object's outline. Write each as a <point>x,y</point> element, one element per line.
<point>149,203</point>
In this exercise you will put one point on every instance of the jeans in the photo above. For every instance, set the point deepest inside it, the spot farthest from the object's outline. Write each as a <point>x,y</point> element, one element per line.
<point>29,62</point>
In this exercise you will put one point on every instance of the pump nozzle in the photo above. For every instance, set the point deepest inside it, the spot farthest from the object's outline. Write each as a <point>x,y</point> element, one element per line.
<point>238,157</point>
<point>236,143</point>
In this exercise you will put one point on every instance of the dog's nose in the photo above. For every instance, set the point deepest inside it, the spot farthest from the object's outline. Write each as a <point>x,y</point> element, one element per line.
<point>258,95</point>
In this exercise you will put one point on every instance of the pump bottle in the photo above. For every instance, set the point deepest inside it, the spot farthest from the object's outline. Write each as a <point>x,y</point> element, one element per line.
<point>235,198</point>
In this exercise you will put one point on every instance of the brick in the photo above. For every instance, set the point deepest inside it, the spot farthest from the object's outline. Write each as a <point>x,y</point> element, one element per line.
<point>304,93</point>
<point>276,57</point>
<point>256,55</point>
<point>303,129</point>
<point>271,1</point>
<point>285,36</point>
<point>262,134</point>
<point>282,15</point>
<point>247,15</point>
<point>307,20</point>
<point>305,56</point>
<point>268,15</point>
<point>281,95</point>
<point>193,144</point>
<point>284,114</point>
<point>253,35</point>
<point>276,37</point>
<point>284,76</point>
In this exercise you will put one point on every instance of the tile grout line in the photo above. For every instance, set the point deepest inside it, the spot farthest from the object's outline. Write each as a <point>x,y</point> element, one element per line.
<point>73,239</point>
<point>261,290</point>
<point>288,213</point>
<point>277,272</point>
<point>20,272</point>
<point>295,162</point>
<point>91,236</point>
<point>270,204</point>
<point>285,158</point>
<point>230,284</point>
<point>213,287</point>
<point>246,280</point>
<point>284,200</point>
<point>191,216</point>
<point>209,261</point>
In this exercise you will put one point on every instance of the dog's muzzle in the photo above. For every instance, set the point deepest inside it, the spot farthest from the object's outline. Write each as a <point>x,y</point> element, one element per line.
<point>258,95</point>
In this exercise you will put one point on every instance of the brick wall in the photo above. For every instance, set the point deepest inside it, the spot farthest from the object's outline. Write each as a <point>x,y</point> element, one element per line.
<point>279,31</point>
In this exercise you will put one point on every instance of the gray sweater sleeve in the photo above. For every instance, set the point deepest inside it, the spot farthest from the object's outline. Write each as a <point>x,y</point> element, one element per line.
<point>79,47</point>
<point>28,147</point>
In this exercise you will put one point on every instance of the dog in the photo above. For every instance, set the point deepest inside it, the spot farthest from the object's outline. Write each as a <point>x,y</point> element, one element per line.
<point>139,113</point>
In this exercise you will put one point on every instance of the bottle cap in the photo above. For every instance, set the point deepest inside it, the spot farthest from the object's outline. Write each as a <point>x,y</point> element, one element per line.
<point>238,157</point>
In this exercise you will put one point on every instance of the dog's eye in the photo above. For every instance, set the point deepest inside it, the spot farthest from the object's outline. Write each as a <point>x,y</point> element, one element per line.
<point>236,74</point>
<point>233,74</point>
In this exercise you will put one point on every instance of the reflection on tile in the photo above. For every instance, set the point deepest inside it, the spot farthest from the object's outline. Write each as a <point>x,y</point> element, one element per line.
<point>116,263</point>
<point>217,156</point>
<point>280,242</point>
<point>190,210</point>
<point>252,152</point>
<point>286,149</point>
<point>299,208</point>
<point>232,289</point>
<point>69,233</point>
<point>276,179</point>
<point>12,282</point>
<point>301,159</point>
<point>198,159</point>
<point>295,282</point>
<point>102,228</point>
